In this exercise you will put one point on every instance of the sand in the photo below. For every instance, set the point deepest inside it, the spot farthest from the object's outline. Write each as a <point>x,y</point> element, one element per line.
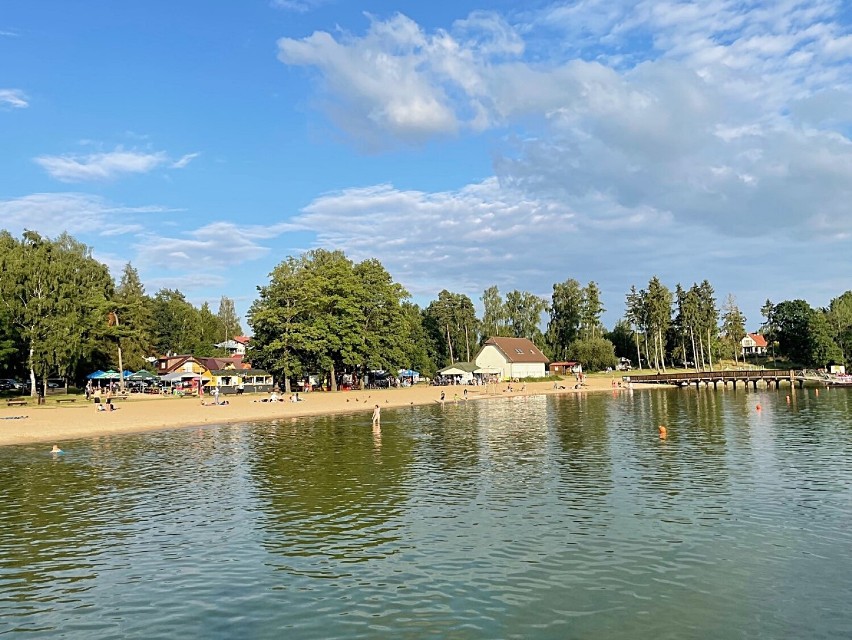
<point>55,423</point>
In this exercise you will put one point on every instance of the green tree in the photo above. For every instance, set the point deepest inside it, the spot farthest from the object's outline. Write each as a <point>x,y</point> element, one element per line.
<point>839,318</point>
<point>135,323</point>
<point>494,314</point>
<point>451,324</point>
<point>229,321</point>
<point>792,318</point>
<point>566,309</point>
<point>658,303</point>
<point>55,296</point>
<point>733,326</point>
<point>523,314</point>
<point>178,323</point>
<point>595,354</point>
<point>591,311</point>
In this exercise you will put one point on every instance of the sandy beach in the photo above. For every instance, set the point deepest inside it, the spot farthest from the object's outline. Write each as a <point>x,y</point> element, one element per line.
<point>55,423</point>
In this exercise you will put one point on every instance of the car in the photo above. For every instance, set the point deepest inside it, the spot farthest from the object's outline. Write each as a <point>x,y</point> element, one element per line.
<point>8,384</point>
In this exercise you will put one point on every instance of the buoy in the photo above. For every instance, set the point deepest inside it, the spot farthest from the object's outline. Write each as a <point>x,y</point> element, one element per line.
<point>758,407</point>
<point>663,432</point>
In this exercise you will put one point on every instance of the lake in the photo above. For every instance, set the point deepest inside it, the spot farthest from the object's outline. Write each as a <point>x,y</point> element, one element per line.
<point>539,517</point>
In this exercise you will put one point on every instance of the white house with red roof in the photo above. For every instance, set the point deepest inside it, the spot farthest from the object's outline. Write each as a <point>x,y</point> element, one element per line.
<point>753,344</point>
<point>511,358</point>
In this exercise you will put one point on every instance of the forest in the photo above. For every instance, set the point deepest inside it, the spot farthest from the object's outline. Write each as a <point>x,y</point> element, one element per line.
<point>63,315</point>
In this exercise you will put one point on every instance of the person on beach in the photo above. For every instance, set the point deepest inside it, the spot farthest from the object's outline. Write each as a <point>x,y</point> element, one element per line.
<point>377,416</point>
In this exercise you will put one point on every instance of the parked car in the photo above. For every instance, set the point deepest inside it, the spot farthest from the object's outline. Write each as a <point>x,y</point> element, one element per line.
<point>8,384</point>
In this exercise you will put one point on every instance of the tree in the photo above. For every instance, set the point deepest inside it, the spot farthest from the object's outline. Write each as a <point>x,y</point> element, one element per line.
<point>135,323</point>
<point>178,323</point>
<point>523,314</point>
<point>636,317</point>
<point>822,349</point>
<point>591,311</point>
<point>792,318</point>
<point>494,314</point>
<point>621,337</point>
<point>566,309</point>
<point>769,328</point>
<point>229,321</point>
<point>452,326</point>
<point>839,319</point>
<point>55,296</point>
<point>595,354</point>
<point>733,326</point>
<point>658,308</point>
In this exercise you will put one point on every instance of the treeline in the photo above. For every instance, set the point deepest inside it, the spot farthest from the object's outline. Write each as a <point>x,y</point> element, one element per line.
<point>63,315</point>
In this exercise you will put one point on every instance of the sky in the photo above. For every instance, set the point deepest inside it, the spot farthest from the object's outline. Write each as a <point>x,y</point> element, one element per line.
<point>463,144</point>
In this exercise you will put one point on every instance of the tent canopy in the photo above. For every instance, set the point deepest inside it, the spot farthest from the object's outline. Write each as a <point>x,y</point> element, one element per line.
<point>95,374</point>
<point>408,373</point>
<point>142,374</point>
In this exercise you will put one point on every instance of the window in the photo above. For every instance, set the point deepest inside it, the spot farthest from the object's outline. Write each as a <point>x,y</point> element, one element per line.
<point>519,351</point>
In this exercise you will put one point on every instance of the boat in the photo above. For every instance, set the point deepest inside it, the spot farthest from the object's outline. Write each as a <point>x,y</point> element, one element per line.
<point>839,380</point>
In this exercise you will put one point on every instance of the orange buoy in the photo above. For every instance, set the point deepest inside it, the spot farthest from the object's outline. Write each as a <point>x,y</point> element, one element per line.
<point>758,407</point>
<point>663,432</point>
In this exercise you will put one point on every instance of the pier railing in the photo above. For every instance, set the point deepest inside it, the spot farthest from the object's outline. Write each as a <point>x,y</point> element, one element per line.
<point>686,378</point>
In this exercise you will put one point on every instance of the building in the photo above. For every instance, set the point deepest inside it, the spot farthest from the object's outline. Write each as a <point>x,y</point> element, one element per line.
<point>753,344</point>
<point>460,372</point>
<point>510,358</point>
<point>564,368</point>
<point>236,346</point>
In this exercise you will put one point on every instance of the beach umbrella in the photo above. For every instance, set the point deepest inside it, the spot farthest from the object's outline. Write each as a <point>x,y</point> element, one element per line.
<point>126,373</point>
<point>95,375</point>
<point>110,375</point>
<point>142,374</point>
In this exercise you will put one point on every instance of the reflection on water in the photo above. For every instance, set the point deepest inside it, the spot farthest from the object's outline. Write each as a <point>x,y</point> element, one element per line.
<point>547,517</point>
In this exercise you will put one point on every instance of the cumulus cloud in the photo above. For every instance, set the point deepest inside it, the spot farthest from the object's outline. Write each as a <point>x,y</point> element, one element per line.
<point>107,166</point>
<point>14,98</point>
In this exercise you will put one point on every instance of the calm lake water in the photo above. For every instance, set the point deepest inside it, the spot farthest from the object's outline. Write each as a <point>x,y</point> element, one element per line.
<point>544,517</point>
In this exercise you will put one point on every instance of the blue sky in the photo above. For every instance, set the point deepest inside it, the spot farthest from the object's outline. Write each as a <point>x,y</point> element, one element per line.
<point>463,144</point>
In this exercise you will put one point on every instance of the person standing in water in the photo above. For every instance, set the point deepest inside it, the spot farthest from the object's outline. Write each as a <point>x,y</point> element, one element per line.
<point>377,416</point>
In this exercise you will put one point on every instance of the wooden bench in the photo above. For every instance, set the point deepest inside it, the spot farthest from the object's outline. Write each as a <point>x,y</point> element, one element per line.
<point>16,403</point>
<point>61,400</point>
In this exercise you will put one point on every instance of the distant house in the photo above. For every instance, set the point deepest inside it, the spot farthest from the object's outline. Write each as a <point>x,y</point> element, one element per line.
<point>563,368</point>
<point>510,358</point>
<point>236,346</point>
<point>753,344</point>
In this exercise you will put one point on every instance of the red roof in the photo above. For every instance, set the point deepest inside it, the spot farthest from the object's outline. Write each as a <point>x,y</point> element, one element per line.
<point>759,340</point>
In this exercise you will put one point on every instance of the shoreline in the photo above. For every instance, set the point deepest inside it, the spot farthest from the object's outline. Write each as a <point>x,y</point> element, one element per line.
<point>139,414</point>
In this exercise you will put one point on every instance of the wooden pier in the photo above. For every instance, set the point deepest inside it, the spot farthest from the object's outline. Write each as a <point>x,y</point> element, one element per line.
<point>766,376</point>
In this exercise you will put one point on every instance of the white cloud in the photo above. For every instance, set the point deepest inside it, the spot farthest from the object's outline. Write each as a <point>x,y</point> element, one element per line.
<point>76,213</point>
<point>299,6</point>
<point>216,247</point>
<point>183,161</point>
<point>107,166</point>
<point>13,98</point>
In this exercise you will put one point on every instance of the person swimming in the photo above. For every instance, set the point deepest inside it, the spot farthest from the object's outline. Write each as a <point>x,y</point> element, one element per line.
<point>56,449</point>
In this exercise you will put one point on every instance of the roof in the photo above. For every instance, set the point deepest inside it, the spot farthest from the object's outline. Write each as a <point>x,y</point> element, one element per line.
<point>238,372</point>
<point>516,349</point>
<point>242,339</point>
<point>759,340</point>
<point>464,367</point>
